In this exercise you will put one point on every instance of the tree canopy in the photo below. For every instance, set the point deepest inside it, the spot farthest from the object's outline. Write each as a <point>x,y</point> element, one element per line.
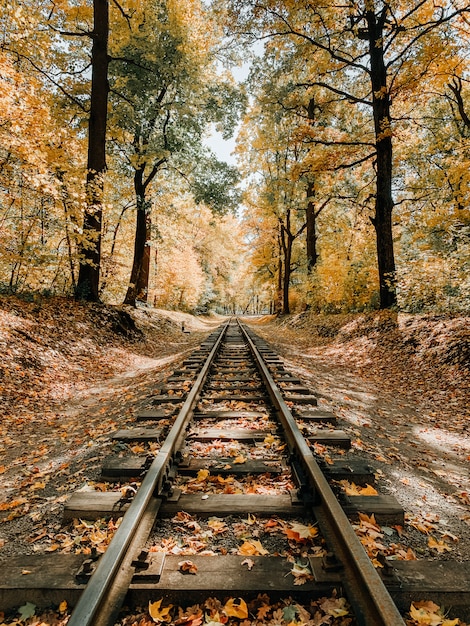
<point>352,186</point>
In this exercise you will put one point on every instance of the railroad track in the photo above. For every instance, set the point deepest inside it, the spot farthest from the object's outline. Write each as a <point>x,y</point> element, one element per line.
<point>234,413</point>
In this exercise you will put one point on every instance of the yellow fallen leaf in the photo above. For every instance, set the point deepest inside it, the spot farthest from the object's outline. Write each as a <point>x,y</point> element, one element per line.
<point>202,475</point>
<point>438,545</point>
<point>160,615</point>
<point>252,547</point>
<point>236,607</point>
<point>429,614</point>
<point>63,606</point>
<point>239,460</point>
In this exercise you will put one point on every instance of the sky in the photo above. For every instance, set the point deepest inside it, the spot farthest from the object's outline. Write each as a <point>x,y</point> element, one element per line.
<point>222,148</point>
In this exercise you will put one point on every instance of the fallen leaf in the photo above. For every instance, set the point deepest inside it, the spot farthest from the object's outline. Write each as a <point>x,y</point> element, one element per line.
<point>236,607</point>
<point>301,574</point>
<point>187,567</point>
<point>27,610</point>
<point>249,562</point>
<point>160,615</point>
<point>252,547</point>
<point>438,545</point>
<point>202,475</point>
<point>63,606</point>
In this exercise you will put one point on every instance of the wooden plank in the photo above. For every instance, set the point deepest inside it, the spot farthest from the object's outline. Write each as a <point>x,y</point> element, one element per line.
<point>117,468</point>
<point>236,386</point>
<point>222,415</point>
<point>327,437</point>
<point>357,472</point>
<point>226,466</point>
<point>50,581</point>
<point>300,399</point>
<point>236,398</point>
<point>446,583</point>
<point>316,415</point>
<point>299,389</point>
<point>386,509</point>
<point>268,574</point>
<point>236,504</point>
<point>152,414</point>
<point>139,433</point>
<point>91,505</point>
<point>238,434</point>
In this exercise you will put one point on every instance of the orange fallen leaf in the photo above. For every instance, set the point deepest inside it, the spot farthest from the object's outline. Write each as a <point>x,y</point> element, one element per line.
<point>263,611</point>
<point>63,606</point>
<point>252,547</point>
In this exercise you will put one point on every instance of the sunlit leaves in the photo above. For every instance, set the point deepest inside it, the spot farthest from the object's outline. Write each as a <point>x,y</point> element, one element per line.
<point>430,614</point>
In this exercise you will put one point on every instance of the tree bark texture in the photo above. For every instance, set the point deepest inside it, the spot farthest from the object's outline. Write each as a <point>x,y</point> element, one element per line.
<point>382,220</point>
<point>90,249</point>
<point>287,240</point>
<point>311,234</point>
<point>139,281</point>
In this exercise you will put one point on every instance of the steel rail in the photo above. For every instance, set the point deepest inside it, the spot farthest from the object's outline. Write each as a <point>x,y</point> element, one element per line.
<point>91,606</point>
<point>366,590</point>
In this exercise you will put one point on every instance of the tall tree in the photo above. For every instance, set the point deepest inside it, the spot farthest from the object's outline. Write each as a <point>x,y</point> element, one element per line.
<point>90,247</point>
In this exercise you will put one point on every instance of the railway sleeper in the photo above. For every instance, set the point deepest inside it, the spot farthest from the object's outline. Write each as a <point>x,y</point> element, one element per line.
<point>116,469</point>
<point>54,578</point>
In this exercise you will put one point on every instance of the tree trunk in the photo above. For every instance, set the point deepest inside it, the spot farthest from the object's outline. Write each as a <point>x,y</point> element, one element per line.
<point>311,234</point>
<point>278,304</point>
<point>287,274</point>
<point>382,220</point>
<point>90,248</point>
<point>139,281</point>
<point>286,241</point>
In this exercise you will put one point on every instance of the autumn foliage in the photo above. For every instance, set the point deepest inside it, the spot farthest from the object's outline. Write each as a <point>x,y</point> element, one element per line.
<point>354,154</point>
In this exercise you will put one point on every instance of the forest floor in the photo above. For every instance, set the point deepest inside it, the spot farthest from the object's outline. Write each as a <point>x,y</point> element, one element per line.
<point>73,373</point>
